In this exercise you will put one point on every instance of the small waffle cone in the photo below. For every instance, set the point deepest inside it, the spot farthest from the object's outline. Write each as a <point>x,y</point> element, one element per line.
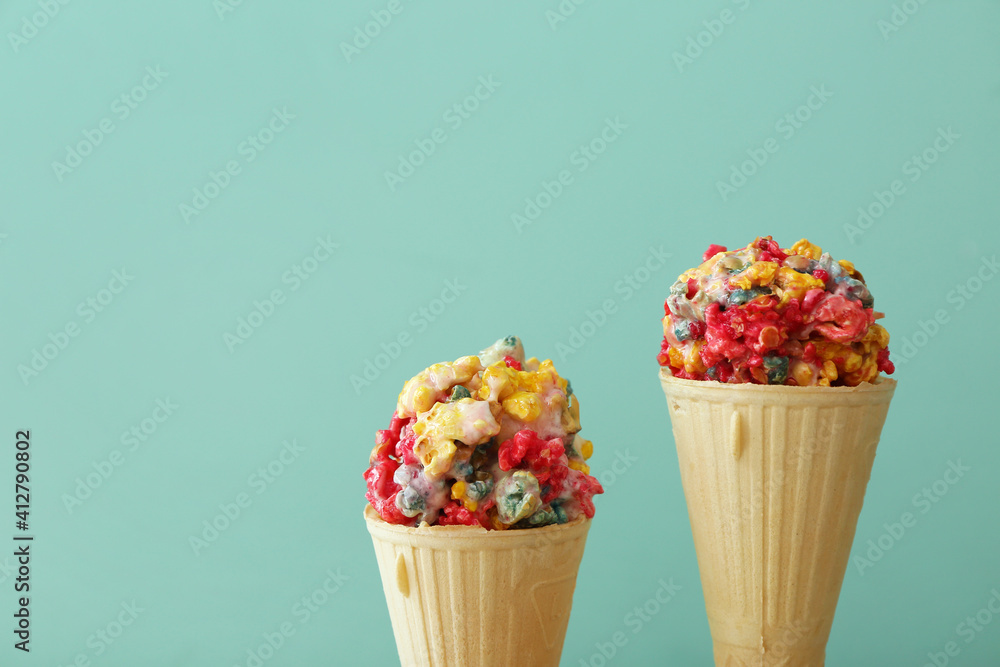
<point>774,478</point>
<point>465,596</point>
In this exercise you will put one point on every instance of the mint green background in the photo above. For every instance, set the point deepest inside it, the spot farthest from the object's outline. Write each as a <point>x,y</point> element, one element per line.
<point>324,175</point>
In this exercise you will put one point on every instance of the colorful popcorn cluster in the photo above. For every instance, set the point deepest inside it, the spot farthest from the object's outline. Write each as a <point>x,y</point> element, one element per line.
<point>767,315</point>
<point>489,440</point>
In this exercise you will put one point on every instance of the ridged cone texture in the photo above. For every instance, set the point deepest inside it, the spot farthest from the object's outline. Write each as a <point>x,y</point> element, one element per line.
<point>463,596</point>
<point>774,478</point>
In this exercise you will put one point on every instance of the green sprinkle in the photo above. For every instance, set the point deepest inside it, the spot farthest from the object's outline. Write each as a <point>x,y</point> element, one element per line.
<point>740,296</point>
<point>682,331</point>
<point>518,496</point>
<point>479,490</point>
<point>777,369</point>
<point>458,393</point>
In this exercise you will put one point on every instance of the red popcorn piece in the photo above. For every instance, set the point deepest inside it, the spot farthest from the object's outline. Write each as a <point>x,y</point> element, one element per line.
<point>379,478</point>
<point>513,450</point>
<point>771,250</point>
<point>712,251</point>
<point>585,487</point>
<point>529,452</point>
<point>662,358</point>
<point>382,491</point>
<point>454,514</point>
<point>692,288</point>
<point>404,447</point>
<point>556,483</point>
<point>386,439</point>
<point>397,424</point>
<point>842,320</point>
<point>884,365</point>
<point>812,298</point>
<point>809,353</point>
<point>387,509</point>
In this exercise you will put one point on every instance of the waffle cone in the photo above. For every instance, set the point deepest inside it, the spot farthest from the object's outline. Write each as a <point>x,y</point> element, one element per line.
<point>463,595</point>
<point>774,478</point>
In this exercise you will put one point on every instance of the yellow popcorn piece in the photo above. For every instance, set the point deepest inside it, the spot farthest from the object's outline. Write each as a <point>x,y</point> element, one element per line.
<point>877,335</point>
<point>496,522</point>
<point>794,285</point>
<point>676,357</point>
<point>570,417</point>
<point>499,382</point>
<point>806,249</point>
<point>458,491</point>
<point>848,266</point>
<point>758,274</point>
<point>852,362</point>
<point>524,405</point>
<point>692,360</point>
<point>803,373</point>
<point>467,421</point>
<point>420,391</point>
<point>579,465</point>
<point>586,449</point>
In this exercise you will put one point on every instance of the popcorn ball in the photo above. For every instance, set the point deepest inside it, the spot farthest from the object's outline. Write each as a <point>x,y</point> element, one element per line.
<point>767,315</point>
<point>489,440</point>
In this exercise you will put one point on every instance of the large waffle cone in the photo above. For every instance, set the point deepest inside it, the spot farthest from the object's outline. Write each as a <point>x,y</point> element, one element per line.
<point>774,478</point>
<point>464,596</point>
